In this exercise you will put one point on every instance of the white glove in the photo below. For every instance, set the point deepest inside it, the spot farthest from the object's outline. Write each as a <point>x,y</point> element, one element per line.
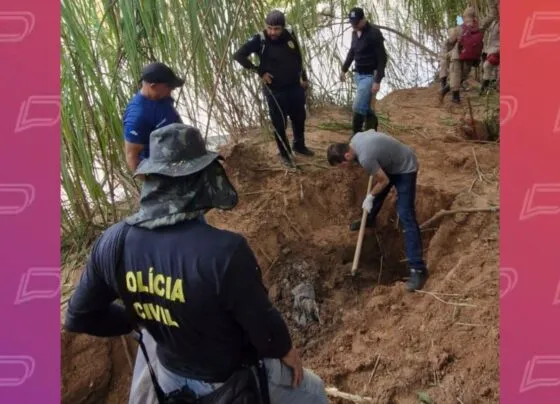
<point>368,203</point>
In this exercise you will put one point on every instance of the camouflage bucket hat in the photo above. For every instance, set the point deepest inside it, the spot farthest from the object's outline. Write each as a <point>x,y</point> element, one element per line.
<point>176,150</point>
<point>169,200</point>
<point>183,179</point>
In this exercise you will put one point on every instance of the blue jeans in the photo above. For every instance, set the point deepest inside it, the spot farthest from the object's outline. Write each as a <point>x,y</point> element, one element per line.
<point>362,101</point>
<point>406,197</point>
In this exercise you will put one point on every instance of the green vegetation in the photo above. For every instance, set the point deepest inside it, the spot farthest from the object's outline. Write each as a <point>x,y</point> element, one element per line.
<point>492,115</point>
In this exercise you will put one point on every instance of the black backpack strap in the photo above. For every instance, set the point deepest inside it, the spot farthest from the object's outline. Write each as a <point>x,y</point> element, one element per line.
<point>159,392</point>
<point>121,282</point>
<point>262,37</point>
<point>262,375</point>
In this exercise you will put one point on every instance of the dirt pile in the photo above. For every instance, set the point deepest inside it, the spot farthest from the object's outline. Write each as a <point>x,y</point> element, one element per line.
<point>374,338</point>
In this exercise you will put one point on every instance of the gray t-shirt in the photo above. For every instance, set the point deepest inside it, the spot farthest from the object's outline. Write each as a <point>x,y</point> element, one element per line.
<point>376,149</point>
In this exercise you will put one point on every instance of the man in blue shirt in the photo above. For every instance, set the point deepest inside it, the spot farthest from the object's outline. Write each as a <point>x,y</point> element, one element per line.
<point>150,109</point>
<point>195,290</point>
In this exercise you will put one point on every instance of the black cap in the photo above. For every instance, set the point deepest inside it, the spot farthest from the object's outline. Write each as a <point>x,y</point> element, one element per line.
<point>157,73</point>
<point>275,18</point>
<point>356,15</point>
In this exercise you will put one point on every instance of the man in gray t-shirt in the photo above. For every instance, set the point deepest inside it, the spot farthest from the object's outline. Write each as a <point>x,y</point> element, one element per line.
<point>392,163</point>
<point>376,150</point>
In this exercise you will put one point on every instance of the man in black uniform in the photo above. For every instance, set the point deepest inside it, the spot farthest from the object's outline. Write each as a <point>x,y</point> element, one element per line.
<point>285,80</point>
<point>368,53</point>
<point>195,289</point>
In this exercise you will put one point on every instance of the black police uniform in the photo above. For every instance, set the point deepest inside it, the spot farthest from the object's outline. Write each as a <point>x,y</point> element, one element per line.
<point>282,59</point>
<point>196,289</point>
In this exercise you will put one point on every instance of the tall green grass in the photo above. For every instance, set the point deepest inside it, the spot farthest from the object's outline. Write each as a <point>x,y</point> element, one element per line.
<point>105,43</point>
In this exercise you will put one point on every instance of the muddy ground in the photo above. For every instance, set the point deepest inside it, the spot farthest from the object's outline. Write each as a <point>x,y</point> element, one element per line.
<point>375,339</point>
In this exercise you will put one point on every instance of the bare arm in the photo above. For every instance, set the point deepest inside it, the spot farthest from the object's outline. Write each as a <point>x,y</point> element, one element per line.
<point>381,181</point>
<point>132,152</point>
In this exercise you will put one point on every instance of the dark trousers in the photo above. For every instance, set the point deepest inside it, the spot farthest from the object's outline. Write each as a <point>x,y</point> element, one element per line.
<point>406,197</point>
<point>284,103</point>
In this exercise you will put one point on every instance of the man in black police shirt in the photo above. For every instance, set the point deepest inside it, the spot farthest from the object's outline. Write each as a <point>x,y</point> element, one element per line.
<point>368,53</point>
<point>285,80</point>
<point>195,289</point>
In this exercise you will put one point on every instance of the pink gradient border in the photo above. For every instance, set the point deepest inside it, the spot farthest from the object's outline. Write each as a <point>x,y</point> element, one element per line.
<point>530,202</point>
<point>30,201</point>
<point>530,233</point>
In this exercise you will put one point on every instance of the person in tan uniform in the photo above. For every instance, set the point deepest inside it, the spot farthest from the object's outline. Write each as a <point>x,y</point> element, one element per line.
<point>491,51</point>
<point>460,52</point>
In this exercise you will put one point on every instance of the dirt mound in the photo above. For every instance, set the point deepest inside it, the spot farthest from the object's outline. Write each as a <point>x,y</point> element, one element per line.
<point>94,370</point>
<point>374,339</point>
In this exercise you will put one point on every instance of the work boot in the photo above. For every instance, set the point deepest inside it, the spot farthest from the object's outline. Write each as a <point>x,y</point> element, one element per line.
<point>356,225</point>
<point>286,161</point>
<point>484,87</point>
<point>303,150</point>
<point>456,97</point>
<point>417,279</point>
<point>371,121</point>
<point>357,123</point>
<point>444,90</point>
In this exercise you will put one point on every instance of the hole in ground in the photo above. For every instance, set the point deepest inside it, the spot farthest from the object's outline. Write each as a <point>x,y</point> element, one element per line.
<point>382,257</point>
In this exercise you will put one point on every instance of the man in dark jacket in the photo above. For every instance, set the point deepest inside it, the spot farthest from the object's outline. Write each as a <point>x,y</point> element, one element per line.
<point>368,53</point>
<point>151,108</point>
<point>195,290</point>
<point>285,80</point>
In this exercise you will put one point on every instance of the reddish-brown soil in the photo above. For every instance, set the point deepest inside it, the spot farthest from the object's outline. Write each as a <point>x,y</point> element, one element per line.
<point>375,339</point>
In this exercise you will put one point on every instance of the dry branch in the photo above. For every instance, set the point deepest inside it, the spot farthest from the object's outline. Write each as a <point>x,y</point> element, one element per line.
<point>273,263</point>
<point>444,212</point>
<point>470,324</point>
<point>293,225</point>
<point>265,254</point>
<point>473,126</point>
<point>372,372</point>
<point>266,191</point>
<point>481,175</point>
<point>435,296</point>
<point>334,392</point>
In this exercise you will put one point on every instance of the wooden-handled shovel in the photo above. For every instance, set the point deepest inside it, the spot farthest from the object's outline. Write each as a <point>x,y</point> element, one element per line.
<point>361,233</point>
<point>364,215</point>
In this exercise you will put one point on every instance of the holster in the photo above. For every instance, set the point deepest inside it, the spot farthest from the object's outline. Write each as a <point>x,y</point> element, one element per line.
<point>240,388</point>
